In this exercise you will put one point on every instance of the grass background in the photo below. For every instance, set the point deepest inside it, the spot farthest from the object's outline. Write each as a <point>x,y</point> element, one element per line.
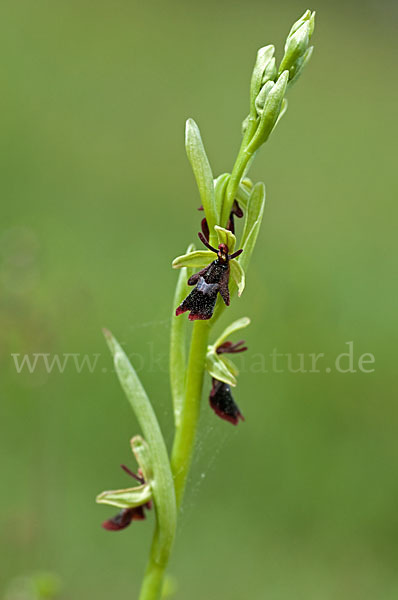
<point>97,197</point>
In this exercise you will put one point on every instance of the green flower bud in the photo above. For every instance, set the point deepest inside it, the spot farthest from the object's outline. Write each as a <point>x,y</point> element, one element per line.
<point>270,71</point>
<point>296,46</point>
<point>264,67</point>
<point>272,108</point>
<point>262,96</point>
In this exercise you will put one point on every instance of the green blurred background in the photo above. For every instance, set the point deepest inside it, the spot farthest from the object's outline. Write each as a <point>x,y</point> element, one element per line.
<point>300,501</point>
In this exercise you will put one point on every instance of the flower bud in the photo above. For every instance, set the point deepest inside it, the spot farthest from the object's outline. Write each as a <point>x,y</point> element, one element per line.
<point>262,96</point>
<point>270,114</point>
<point>264,68</point>
<point>296,46</point>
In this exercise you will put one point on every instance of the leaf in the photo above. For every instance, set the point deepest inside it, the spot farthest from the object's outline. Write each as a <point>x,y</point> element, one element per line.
<point>163,486</point>
<point>199,258</point>
<point>231,329</point>
<point>253,222</point>
<point>177,343</point>
<point>238,275</point>
<point>202,171</point>
<point>226,237</point>
<point>128,498</point>
<point>243,191</point>
<point>220,185</point>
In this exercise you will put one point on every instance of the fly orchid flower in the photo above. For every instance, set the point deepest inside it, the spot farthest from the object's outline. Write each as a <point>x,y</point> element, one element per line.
<point>213,279</point>
<point>131,501</point>
<point>224,373</point>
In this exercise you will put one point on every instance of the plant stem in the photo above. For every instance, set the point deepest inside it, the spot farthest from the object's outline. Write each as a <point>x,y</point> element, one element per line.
<point>152,583</point>
<point>185,434</point>
<point>238,171</point>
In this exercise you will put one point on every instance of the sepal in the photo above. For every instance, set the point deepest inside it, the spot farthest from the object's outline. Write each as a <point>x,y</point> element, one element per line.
<point>198,258</point>
<point>231,329</point>
<point>226,237</point>
<point>217,367</point>
<point>238,275</point>
<point>127,498</point>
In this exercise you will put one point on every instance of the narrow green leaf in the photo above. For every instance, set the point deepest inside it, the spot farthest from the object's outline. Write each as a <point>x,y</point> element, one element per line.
<point>163,485</point>
<point>202,171</point>
<point>231,329</point>
<point>199,258</point>
<point>243,191</point>
<point>238,275</point>
<point>128,498</point>
<point>178,344</point>
<point>254,218</point>
<point>220,185</point>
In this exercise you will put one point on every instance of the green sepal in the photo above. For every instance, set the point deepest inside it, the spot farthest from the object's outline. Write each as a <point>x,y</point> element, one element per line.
<point>143,457</point>
<point>255,211</point>
<point>238,275</point>
<point>217,368</point>
<point>198,258</point>
<point>231,329</point>
<point>202,171</point>
<point>226,237</point>
<point>128,498</point>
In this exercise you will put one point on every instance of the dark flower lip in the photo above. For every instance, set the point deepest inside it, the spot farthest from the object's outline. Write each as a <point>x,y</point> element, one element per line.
<point>127,515</point>
<point>223,404</point>
<point>208,282</point>
<point>124,518</point>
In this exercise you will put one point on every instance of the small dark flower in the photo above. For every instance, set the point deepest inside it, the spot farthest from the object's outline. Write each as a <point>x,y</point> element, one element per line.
<point>223,404</point>
<point>208,282</point>
<point>127,515</point>
<point>124,518</point>
<point>236,211</point>
<point>221,399</point>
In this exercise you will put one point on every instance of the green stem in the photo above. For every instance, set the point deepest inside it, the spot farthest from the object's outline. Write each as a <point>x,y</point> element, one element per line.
<point>152,583</point>
<point>185,434</point>
<point>238,171</point>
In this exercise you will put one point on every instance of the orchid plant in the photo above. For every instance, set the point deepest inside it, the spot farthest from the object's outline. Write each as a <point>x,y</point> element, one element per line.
<point>208,281</point>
